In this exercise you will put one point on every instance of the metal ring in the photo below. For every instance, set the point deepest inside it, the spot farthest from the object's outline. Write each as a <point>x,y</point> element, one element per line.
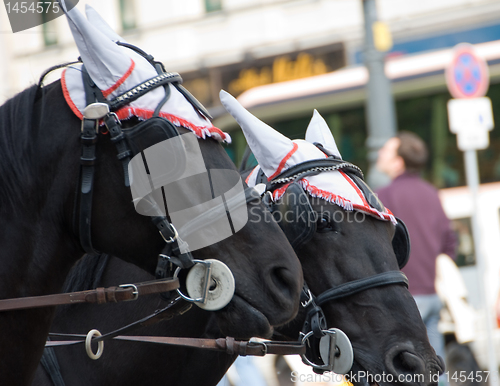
<point>135,292</point>
<point>88,347</point>
<point>305,337</point>
<point>306,360</point>
<point>185,297</point>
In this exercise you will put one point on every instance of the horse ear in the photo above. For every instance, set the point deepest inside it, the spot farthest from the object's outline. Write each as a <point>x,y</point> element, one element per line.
<point>318,131</point>
<point>98,22</point>
<point>104,60</point>
<point>268,146</point>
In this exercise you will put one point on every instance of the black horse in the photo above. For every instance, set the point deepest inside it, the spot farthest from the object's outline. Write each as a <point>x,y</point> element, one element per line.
<point>338,250</point>
<point>40,195</point>
<point>382,323</point>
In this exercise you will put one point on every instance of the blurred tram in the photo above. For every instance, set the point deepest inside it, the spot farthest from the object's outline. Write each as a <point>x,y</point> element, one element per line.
<point>419,88</point>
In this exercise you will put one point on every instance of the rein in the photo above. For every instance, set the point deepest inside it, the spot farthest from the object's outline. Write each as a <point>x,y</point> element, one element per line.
<point>121,293</point>
<point>178,307</point>
<point>227,345</point>
<point>313,331</point>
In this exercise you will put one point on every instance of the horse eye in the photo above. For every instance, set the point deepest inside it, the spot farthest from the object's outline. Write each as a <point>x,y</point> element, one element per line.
<point>323,224</point>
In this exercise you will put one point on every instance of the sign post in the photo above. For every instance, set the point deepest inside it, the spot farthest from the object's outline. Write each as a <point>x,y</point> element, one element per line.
<point>471,118</point>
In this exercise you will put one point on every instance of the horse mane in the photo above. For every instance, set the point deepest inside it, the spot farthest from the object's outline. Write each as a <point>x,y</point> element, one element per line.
<point>86,273</point>
<point>16,141</point>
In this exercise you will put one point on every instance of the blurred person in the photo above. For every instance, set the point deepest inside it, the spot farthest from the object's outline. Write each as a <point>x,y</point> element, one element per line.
<point>416,203</point>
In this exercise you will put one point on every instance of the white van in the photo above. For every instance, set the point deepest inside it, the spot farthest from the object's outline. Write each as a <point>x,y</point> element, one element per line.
<point>458,206</point>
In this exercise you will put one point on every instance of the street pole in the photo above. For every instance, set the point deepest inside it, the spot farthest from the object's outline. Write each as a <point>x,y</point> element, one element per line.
<point>472,176</point>
<point>380,109</point>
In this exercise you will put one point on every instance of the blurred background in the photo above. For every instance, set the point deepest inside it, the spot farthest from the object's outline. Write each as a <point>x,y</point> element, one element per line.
<point>284,58</point>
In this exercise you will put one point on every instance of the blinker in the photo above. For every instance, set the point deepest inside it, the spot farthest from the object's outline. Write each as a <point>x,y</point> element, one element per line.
<point>300,227</point>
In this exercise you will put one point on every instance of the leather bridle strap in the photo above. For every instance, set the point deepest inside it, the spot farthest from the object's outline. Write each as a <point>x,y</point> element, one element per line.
<point>353,287</point>
<point>164,267</point>
<point>315,320</point>
<point>101,295</point>
<point>88,139</point>
<point>228,345</point>
<point>142,89</point>
<point>314,166</point>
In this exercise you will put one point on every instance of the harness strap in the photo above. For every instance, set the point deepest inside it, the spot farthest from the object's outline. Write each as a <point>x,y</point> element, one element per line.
<point>143,88</point>
<point>228,345</point>
<point>118,138</point>
<point>353,287</point>
<point>194,102</point>
<point>165,266</point>
<point>88,139</point>
<point>101,295</point>
<point>315,319</point>
<point>318,166</point>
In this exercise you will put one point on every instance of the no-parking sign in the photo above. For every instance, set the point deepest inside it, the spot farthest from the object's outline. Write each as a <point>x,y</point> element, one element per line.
<point>467,76</point>
<point>470,113</point>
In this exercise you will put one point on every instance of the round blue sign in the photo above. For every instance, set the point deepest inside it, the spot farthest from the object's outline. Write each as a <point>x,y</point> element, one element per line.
<point>467,76</point>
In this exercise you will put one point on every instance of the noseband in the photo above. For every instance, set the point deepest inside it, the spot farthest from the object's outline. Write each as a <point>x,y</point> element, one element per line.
<point>315,325</point>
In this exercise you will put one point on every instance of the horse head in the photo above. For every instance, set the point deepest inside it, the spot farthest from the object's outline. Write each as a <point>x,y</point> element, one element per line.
<point>351,249</point>
<point>172,143</point>
<point>65,191</point>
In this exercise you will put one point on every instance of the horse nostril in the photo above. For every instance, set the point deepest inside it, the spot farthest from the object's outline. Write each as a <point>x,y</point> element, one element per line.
<point>441,363</point>
<point>406,362</point>
<point>281,279</point>
<point>405,365</point>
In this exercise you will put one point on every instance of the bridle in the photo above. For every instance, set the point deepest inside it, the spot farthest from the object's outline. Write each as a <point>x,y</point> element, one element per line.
<point>314,329</point>
<point>98,108</point>
<point>315,325</point>
<point>314,335</point>
<point>128,143</point>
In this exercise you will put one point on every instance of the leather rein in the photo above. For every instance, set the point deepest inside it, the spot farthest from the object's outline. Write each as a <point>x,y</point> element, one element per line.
<point>315,325</point>
<point>315,319</point>
<point>98,108</point>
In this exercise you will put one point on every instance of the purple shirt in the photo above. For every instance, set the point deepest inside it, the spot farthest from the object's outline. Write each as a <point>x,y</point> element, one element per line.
<point>416,202</point>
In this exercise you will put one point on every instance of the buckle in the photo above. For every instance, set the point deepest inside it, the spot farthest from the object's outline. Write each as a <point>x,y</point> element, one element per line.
<point>96,111</point>
<point>171,239</point>
<point>258,342</point>
<point>305,303</point>
<point>135,292</point>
